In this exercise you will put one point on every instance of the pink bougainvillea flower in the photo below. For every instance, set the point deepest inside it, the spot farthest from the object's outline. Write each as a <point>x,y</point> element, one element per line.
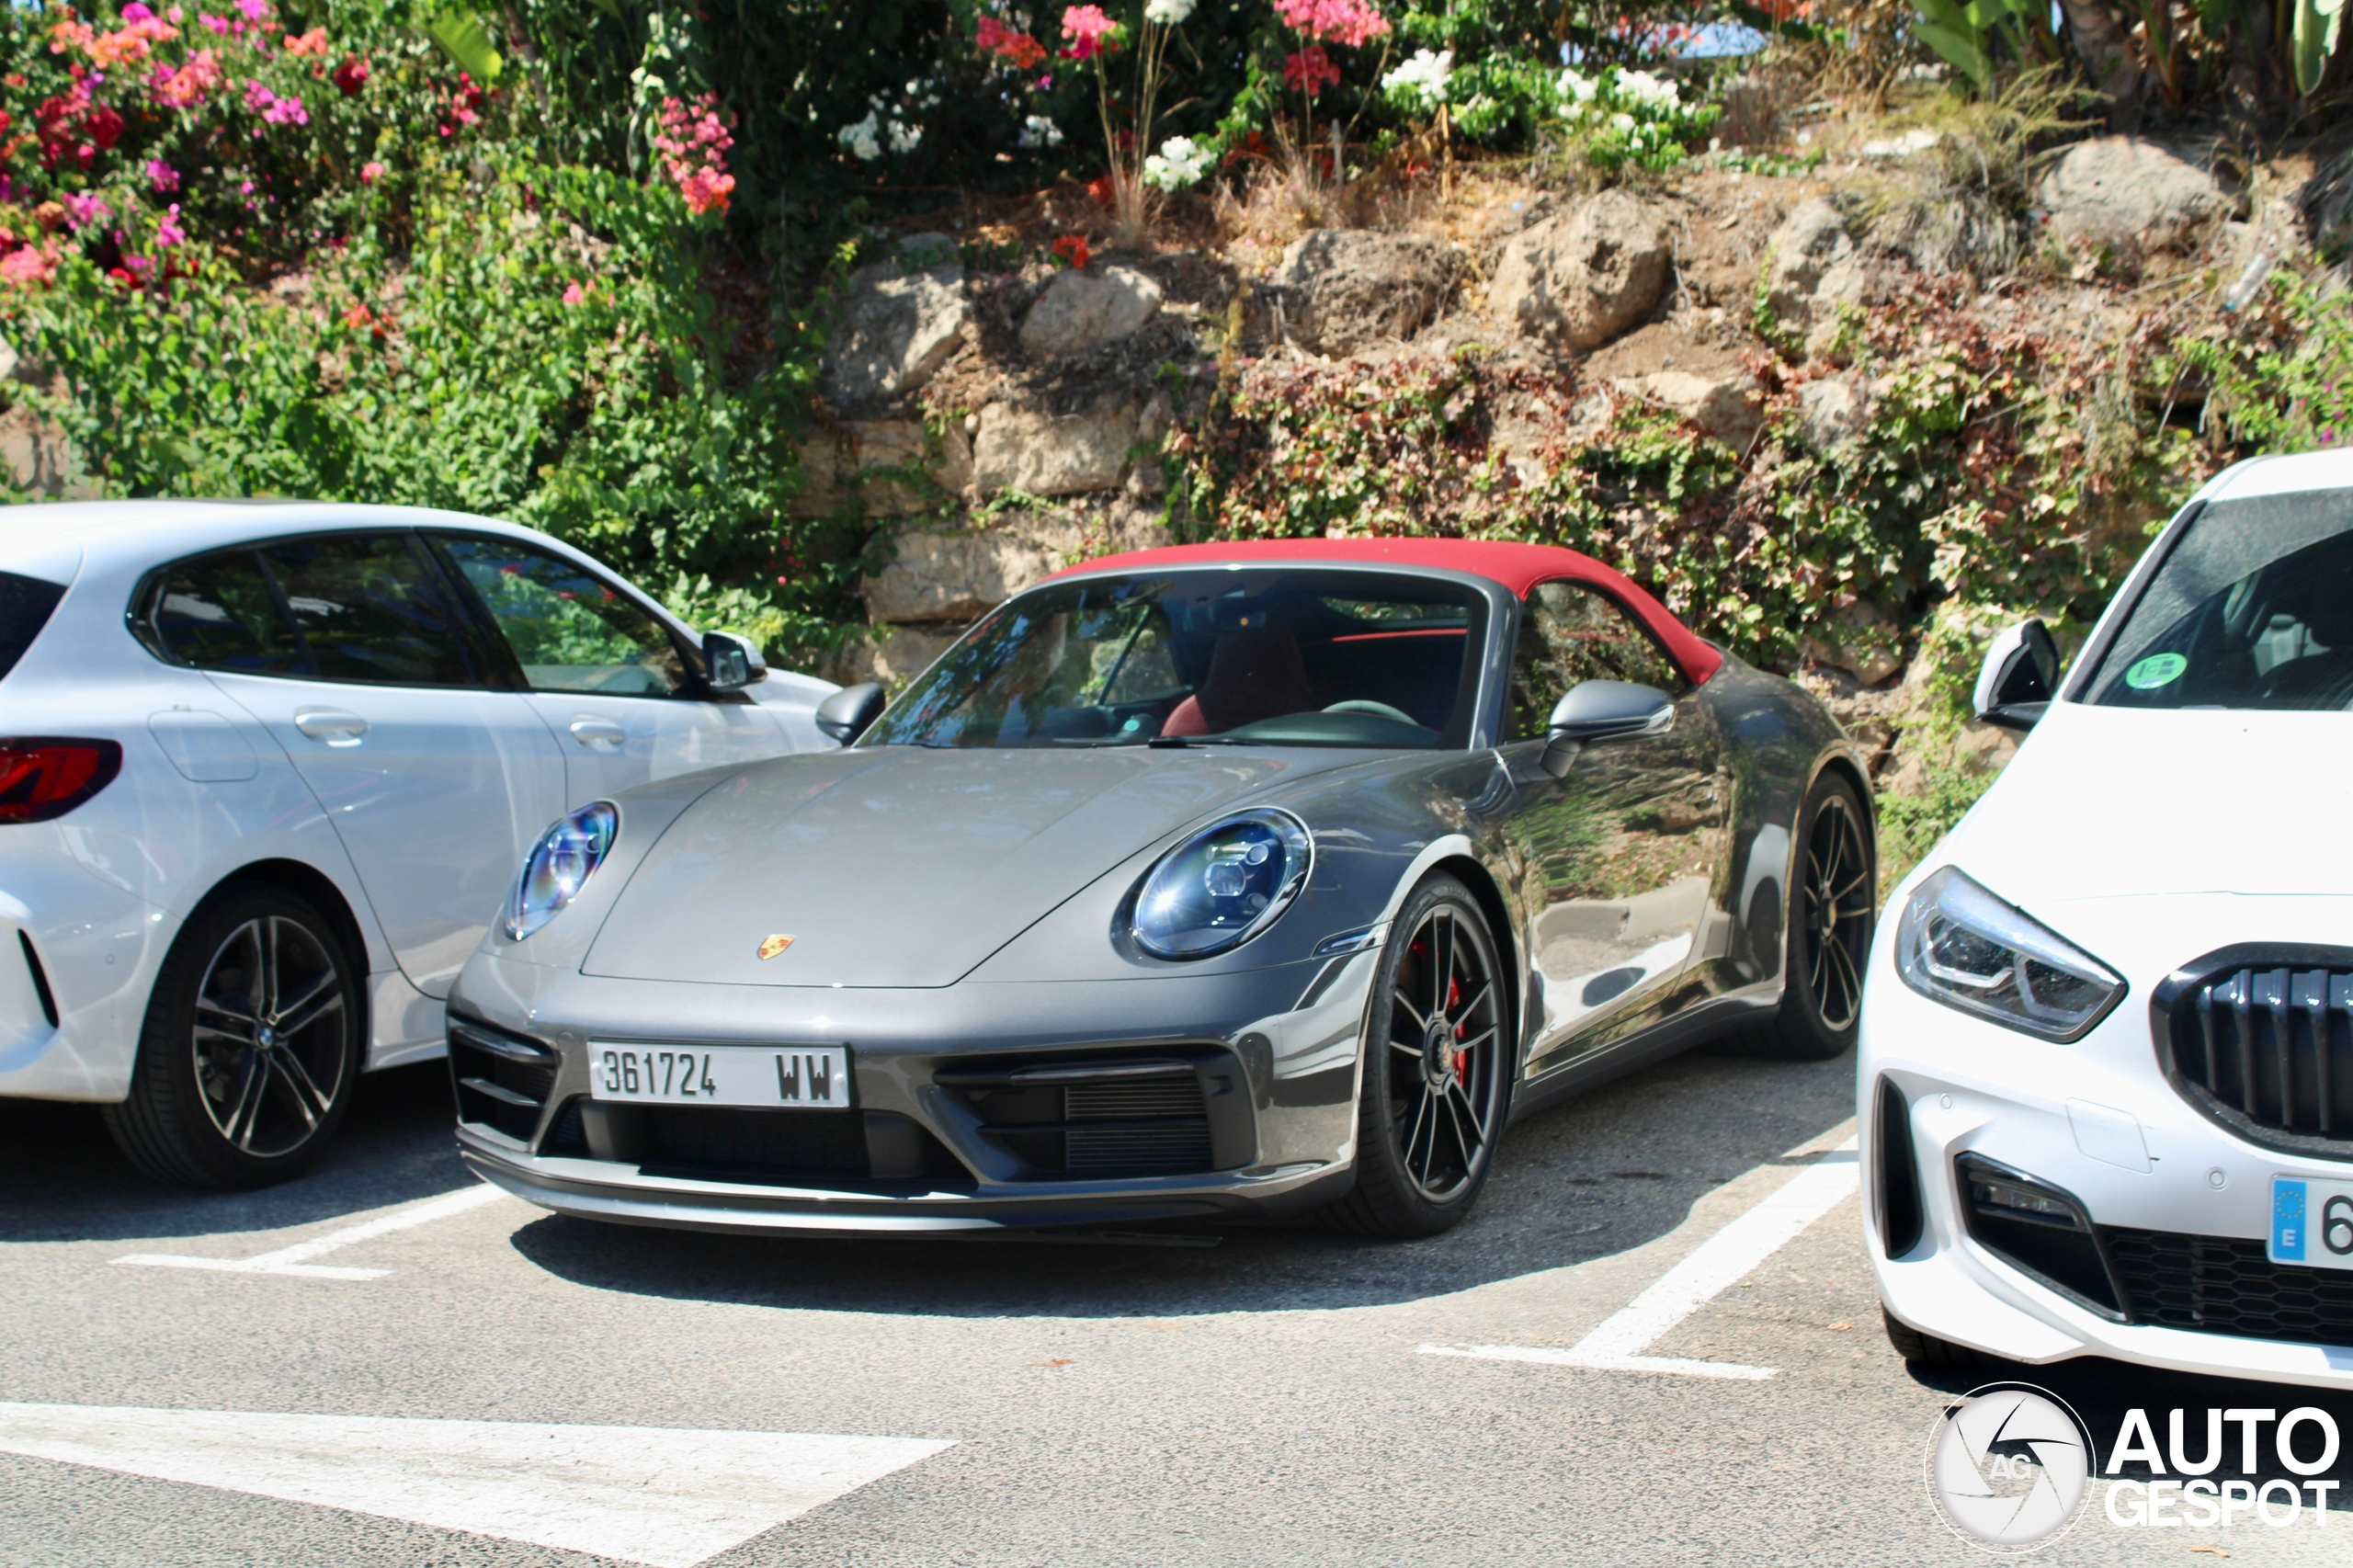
<point>168,231</point>
<point>1089,30</point>
<point>185,87</point>
<point>1351,22</point>
<point>371,173</point>
<point>1310,72</point>
<point>286,111</point>
<point>28,263</point>
<point>311,42</point>
<point>83,208</point>
<point>135,12</point>
<point>574,293</point>
<point>256,11</point>
<point>693,142</point>
<point>162,177</point>
<point>217,24</point>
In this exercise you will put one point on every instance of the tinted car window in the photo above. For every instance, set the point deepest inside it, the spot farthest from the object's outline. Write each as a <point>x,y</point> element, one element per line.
<point>1569,633</point>
<point>1274,656</point>
<point>571,631</point>
<point>2251,607</point>
<point>25,604</point>
<point>370,608</point>
<point>218,613</point>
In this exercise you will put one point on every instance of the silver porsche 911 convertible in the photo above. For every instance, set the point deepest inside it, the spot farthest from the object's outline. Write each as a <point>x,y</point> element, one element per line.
<point>1235,880</point>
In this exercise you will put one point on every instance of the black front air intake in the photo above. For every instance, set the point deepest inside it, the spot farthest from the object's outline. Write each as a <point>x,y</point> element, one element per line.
<point>2261,1040</point>
<point>503,1080</point>
<point>1103,1118</point>
<point>2227,1285</point>
<point>2037,1228</point>
<point>1896,1191</point>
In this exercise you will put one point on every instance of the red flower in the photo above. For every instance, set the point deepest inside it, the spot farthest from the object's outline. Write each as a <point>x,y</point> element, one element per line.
<point>1016,48</point>
<point>1104,191</point>
<point>1309,71</point>
<point>351,75</point>
<point>1071,248</point>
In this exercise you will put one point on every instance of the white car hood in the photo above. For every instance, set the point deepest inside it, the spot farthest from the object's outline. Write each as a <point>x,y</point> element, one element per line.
<point>2117,802</point>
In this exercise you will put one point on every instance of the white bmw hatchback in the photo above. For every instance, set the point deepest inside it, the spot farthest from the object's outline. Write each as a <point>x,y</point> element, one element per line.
<point>2106,1058</point>
<point>266,772</point>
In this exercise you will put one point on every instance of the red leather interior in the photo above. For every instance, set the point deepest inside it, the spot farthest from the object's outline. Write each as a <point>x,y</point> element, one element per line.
<point>1254,673</point>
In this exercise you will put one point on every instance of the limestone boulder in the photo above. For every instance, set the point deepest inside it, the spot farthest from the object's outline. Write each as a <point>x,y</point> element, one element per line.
<point>1042,453</point>
<point>1729,407</point>
<point>1832,412</point>
<point>2130,195</point>
<point>1859,637</point>
<point>896,328</point>
<point>1579,279</point>
<point>1084,310</point>
<point>1345,291</point>
<point>894,467</point>
<point>1809,242</point>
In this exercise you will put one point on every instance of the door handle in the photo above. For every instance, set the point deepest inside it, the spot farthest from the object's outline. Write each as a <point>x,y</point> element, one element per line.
<point>593,733</point>
<point>332,725</point>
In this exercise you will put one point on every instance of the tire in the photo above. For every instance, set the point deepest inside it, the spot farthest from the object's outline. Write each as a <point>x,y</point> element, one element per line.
<point>231,1089</point>
<point>1927,1350</point>
<point>1822,966</point>
<point>1434,1093</point>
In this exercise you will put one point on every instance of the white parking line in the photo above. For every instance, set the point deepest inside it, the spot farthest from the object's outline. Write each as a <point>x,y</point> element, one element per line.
<point>652,1494</point>
<point>295,1260</point>
<point>1718,1261</point>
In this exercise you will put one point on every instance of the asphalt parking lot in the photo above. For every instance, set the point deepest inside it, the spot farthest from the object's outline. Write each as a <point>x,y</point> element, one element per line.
<point>1270,1398</point>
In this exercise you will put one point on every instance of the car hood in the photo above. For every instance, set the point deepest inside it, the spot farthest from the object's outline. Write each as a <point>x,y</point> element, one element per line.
<point>901,865</point>
<point>2106,802</point>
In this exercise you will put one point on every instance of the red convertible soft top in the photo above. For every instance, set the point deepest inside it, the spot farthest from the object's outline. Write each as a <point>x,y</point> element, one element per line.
<point>1519,567</point>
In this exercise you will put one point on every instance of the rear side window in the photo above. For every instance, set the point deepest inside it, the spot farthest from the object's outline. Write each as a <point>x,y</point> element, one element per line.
<point>25,604</point>
<point>218,613</point>
<point>368,607</point>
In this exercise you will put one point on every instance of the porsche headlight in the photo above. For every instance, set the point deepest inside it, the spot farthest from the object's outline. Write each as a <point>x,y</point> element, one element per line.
<point>1222,886</point>
<point>1959,945</point>
<point>559,864</point>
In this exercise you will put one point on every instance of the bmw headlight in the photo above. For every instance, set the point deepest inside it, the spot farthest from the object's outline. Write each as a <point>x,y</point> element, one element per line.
<point>1959,945</point>
<point>559,866</point>
<point>1222,886</point>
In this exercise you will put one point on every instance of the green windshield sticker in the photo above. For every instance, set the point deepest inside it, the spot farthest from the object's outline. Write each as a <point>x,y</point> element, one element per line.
<point>2156,670</point>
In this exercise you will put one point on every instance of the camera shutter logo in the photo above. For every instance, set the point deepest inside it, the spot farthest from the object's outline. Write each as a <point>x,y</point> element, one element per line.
<point>2009,1467</point>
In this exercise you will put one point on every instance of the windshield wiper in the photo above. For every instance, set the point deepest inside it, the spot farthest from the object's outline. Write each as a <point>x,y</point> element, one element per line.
<point>1172,741</point>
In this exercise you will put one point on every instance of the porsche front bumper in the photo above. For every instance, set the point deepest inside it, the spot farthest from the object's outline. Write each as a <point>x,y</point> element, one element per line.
<point>960,1119</point>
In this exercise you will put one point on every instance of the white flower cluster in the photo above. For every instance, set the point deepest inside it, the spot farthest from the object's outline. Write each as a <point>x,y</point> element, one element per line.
<point>1632,116</point>
<point>1644,88</point>
<point>1167,13</point>
<point>865,139</point>
<point>1039,131</point>
<point>1179,162</point>
<point>1421,80</point>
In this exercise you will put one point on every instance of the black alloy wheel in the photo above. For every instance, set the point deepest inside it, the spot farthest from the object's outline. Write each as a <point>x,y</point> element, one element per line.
<point>1436,1070</point>
<point>251,1045</point>
<point>1833,910</point>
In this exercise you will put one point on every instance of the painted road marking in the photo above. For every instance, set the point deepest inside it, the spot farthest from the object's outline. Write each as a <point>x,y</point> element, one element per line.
<point>296,1259</point>
<point>640,1493</point>
<point>1728,1256</point>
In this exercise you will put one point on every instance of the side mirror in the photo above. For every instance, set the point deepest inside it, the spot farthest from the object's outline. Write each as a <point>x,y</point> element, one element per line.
<point>732,661</point>
<point>847,713</point>
<point>1604,710</point>
<point>2020,678</point>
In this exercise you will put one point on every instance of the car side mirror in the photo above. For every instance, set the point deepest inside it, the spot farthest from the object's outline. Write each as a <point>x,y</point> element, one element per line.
<point>732,661</point>
<point>2019,678</point>
<point>849,712</point>
<point>1603,710</point>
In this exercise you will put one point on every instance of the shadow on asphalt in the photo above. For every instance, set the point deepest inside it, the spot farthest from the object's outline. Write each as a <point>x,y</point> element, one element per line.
<point>1599,1174</point>
<point>2101,1391</point>
<point>63,1179</point>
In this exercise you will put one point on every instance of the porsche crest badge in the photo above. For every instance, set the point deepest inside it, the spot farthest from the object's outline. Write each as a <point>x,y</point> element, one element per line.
<point>775,945</point>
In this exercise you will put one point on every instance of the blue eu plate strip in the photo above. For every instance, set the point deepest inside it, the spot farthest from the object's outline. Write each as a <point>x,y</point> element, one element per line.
<point>2286,1220</point>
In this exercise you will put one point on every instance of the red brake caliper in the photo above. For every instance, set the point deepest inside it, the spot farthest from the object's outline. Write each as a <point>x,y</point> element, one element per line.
<point>1454,1000</point>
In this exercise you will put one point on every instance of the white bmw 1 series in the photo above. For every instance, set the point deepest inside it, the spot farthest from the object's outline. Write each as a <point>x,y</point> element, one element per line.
<point>266,771</point>
<point>2106,1051</point>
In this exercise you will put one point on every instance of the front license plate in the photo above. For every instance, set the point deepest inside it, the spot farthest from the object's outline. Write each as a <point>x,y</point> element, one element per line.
<point>2311,1222</point>
<point>800,1077</point>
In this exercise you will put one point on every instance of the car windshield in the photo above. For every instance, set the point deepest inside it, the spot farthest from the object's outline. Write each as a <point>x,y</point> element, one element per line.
<point>2252,608</point>
<point>1216,657</point>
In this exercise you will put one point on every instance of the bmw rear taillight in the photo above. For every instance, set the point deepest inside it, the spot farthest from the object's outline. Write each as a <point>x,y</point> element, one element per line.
<point>44,776</point>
